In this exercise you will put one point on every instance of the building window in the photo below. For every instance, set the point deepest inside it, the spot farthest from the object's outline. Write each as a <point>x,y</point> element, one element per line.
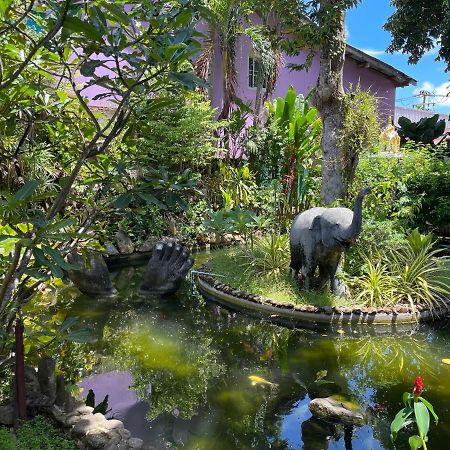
<point>254,68</point>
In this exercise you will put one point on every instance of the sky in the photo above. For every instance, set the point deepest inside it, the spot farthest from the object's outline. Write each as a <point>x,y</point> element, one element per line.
<point>365,31</point>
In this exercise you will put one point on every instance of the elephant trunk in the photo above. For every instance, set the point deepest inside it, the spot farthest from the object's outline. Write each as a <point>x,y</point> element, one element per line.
<point>352,232</point>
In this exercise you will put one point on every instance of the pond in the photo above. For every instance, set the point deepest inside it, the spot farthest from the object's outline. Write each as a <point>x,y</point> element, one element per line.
<point>185,373</point>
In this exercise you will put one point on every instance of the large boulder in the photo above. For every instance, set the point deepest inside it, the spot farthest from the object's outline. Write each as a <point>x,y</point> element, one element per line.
<point>337,409</point>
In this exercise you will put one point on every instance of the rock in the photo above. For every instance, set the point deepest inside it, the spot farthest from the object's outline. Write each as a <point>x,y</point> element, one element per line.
<point>124,243</point>
<point>135,443</point>
<point>58,414</point>
<point>37,400</point>
<point>47,377</point>
<point>148,244</point>
<point>124,433</point>
<point>337,409</point>
<point>6,415</point>
<point>98,439</point>
<point>111,250</point>
<point>31,379</point>
<point>114,424</point>
<point>61,393</point>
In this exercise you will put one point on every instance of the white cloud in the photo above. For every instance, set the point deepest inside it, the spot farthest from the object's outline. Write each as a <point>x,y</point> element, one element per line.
<point>442,92</point>
<point>373,52</point>
<point>347,33</point>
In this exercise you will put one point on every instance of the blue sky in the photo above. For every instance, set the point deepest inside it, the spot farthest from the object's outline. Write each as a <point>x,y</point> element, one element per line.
<point>364,31</point>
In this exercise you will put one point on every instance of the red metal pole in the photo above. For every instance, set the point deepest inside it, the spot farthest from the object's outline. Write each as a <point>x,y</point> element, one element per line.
<point>20,371</point>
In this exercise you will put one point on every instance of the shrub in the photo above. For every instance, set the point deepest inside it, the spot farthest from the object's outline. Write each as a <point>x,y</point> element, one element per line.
<point>36,434</point>
<point>178,135</point>
<point>376,239</point>
<point>432,185</point>
<point>415,273</point>
<point>269,255</point>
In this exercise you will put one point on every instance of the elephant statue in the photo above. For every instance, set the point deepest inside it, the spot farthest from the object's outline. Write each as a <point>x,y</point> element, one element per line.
<point>318,238</point>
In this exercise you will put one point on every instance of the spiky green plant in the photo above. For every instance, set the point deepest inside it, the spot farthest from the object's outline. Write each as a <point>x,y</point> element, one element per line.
<point>268,256</point>
<point>416,273</point>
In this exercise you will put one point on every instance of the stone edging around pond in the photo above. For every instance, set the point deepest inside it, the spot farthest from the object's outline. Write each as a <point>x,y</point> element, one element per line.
<point>311,315</point>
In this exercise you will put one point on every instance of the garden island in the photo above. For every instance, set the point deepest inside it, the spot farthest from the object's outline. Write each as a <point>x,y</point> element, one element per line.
<point>218,230</point>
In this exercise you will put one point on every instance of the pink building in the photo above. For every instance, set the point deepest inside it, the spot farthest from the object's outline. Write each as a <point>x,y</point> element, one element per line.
<point>371,73</point>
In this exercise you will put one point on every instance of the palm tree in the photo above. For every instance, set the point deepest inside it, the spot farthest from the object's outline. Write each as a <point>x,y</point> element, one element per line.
<point>225,21</point>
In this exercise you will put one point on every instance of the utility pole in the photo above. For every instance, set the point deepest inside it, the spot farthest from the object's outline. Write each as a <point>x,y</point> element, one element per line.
<point>425,106</point>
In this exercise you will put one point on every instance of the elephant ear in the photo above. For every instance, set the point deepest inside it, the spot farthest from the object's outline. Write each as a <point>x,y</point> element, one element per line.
<point>316,224</point>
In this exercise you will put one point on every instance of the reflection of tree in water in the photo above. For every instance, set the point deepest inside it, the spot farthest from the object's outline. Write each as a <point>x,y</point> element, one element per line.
<point>383,361</point>
<point>171,368</point>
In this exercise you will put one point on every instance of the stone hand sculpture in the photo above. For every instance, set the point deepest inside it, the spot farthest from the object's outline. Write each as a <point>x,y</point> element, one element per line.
<point>93,275</point>
<point>167,268</point>
<point>318,238</point>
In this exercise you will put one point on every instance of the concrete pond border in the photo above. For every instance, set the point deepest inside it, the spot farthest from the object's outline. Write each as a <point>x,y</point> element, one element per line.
<point>311,316</point>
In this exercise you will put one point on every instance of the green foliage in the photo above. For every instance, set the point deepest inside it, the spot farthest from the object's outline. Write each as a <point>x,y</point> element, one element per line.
<point>417,410</point>
<point>376,239</point>
<point>360,130</point>
<point>415,273</point>
<point>285,149</point>
<point>432,184</point>
<point>388,176</point>
<point>44,111</point>
<point>268,256</point>
<point>36,434</point>
<point>238,185</point>
<point>178,135</point>
<point>171,369</point>
<point>418,26</point>
<point>425,131</point>
<point>279,285</point>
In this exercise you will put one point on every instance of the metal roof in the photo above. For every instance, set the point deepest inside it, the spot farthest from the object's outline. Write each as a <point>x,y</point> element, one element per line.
<point>400,78</point>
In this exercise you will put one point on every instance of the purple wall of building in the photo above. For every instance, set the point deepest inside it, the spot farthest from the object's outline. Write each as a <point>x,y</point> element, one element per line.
<point>303,81</point>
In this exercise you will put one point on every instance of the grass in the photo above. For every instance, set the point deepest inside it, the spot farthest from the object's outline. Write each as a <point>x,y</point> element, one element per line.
<point>36,434</point>
<point>277,286</point>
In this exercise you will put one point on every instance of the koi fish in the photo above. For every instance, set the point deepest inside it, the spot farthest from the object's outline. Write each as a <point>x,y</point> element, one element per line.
<point>259,380</point>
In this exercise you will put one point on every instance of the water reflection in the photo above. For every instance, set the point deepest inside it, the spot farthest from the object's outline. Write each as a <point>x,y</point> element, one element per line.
<point>177,372</point>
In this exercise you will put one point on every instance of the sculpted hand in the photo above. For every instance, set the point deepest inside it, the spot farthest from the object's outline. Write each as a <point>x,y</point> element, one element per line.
<point>167,268</point>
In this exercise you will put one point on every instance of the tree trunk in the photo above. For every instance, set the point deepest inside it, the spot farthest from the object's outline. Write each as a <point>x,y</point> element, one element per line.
<point>327,98</point>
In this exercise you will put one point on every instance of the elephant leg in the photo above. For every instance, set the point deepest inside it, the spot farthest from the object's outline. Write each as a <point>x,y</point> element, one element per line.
<point>296,261</point>
<point>337,286</point>
<point>324,272</point>
<point>308,271</point>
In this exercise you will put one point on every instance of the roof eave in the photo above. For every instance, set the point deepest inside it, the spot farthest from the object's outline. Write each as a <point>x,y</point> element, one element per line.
<point>400,78</point>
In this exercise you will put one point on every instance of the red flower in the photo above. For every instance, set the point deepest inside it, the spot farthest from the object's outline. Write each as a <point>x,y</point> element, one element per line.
<point>418,386</point>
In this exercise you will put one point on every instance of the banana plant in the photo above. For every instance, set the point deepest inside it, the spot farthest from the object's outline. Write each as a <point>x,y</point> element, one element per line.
<point>301,128</point>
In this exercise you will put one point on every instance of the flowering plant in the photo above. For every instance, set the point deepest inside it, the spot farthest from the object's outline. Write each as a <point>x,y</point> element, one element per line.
<point>421,408</point>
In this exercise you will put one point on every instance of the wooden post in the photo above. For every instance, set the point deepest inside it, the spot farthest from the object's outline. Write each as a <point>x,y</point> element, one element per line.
<point>20,372</point>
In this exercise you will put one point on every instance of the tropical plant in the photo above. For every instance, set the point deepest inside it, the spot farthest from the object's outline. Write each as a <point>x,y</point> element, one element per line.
<point>425,131</point>
<point>225,21</point>
<point>289,150</point>
<point>269,255</point>
<point>415,273</point>
<point>238,185</point>
<point>417,410</point>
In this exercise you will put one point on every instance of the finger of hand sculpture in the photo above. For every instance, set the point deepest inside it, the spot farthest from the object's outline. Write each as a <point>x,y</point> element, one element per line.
<point>167,268</point>
<point>93,276</point>
<point>318,238</point>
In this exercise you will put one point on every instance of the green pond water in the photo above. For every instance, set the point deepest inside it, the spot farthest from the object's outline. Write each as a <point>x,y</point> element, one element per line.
<point>180,373</point>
